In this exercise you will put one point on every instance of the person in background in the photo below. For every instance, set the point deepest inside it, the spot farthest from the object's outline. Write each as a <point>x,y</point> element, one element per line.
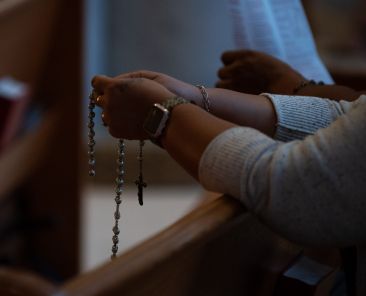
<point>255,72</point>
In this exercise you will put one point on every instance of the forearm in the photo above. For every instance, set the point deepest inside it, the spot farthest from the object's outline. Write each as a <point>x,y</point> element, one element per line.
<point>190,129</point>
<point>333,92</point>
<point>312,185</point>
<point>243,109</point>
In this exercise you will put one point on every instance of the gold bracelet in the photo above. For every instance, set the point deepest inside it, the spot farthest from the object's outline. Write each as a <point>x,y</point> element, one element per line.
<point>305,83</point>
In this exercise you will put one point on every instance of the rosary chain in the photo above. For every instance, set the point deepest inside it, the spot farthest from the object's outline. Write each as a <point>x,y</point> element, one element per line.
<point>119,190</point>
<point>140,181</point>
<point>120,170</point>
<point>91,134</point>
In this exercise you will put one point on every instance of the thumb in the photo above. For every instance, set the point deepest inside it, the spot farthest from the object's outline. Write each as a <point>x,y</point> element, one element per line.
<point>100,83</point>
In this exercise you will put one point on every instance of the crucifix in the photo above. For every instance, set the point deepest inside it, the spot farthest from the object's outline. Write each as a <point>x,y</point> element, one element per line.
<point>140,182</point>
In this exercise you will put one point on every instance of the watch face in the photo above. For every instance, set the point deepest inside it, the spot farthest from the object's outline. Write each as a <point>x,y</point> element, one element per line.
<point>156,120</point>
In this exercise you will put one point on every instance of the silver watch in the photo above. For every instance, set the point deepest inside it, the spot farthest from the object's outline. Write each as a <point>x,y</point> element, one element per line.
<point>158,116</point>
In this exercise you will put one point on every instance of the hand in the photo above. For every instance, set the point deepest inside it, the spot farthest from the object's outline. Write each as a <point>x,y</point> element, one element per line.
<point>256,72</point>
<point>178,87</point>
<point>126,103</point>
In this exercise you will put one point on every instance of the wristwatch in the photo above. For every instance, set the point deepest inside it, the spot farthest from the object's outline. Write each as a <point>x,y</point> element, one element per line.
<point>158,117</point>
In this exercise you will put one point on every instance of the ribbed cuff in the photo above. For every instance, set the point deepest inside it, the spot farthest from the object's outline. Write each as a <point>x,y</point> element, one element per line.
<point>299,116</point>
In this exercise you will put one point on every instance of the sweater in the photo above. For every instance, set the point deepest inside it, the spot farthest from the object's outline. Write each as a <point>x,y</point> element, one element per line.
<point>308,184</point>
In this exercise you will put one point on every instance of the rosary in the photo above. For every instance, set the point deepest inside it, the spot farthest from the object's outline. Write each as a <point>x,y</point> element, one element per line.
<point>120,170</point>
<point>154,132</point>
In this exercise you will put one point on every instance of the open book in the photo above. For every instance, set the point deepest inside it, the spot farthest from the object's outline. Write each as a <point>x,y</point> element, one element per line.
<point>279,28</point>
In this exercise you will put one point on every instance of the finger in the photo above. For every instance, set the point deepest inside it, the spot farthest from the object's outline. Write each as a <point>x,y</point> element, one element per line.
<point>139,74</point>
<point>229,70</point>
<point>224,84</point>
<point>100,83</point>
<point>224,73</point>
<point>230,56</point>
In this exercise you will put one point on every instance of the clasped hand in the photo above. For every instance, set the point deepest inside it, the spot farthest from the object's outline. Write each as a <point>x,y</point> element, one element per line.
<point>255,72</point>
<point>126,99</point>
<point>126,103</point>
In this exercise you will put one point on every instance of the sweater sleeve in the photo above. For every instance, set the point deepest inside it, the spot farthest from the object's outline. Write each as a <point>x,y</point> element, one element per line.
<point>299,116</point>
<point>311,191</point>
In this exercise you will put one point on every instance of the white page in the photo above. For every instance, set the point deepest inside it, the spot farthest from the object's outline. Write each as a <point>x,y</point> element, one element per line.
<point>279,28</point>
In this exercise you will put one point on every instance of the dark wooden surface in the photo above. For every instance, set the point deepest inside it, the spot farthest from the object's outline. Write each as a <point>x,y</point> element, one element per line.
<point>21,283</point>
<point>217,249</point>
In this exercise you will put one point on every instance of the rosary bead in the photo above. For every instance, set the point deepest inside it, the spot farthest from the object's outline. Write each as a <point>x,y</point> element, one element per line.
<point>115,239</point>
<point>115,230</point>
<point>117,215</point>
<point>92,173</point>
<point>114,249</point>
<point>118,200</point>
<point>120,172</point>
<point>119,181</point>
<point>91,161</point>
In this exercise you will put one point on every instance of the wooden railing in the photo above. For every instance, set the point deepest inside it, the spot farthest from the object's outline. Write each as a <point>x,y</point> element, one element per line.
<point>217,249</point>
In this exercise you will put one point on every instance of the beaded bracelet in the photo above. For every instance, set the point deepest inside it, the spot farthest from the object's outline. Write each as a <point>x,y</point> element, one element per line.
<point>305,83</point>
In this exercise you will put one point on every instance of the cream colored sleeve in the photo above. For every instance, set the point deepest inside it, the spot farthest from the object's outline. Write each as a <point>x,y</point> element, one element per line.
<point>300,116</point>
<point>311,191</point>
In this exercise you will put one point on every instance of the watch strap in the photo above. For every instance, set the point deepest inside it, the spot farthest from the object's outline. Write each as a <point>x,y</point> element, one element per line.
<point>169,104</point>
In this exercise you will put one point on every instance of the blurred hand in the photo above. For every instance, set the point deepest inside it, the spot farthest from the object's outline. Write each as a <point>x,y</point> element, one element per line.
<point>126,103</point>
<point>256,72</point>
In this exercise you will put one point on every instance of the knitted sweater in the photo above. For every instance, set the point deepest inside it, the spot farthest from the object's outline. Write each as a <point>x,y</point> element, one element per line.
<point>309,183</point>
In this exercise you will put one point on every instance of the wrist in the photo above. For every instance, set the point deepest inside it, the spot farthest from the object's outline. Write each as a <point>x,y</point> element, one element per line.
<point>287,84</point>
<point>305,84</point>
<point>158,118</point>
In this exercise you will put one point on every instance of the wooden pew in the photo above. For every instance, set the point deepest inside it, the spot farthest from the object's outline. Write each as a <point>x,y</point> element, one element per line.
<point>217,249</point>
<point>39,170</point>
